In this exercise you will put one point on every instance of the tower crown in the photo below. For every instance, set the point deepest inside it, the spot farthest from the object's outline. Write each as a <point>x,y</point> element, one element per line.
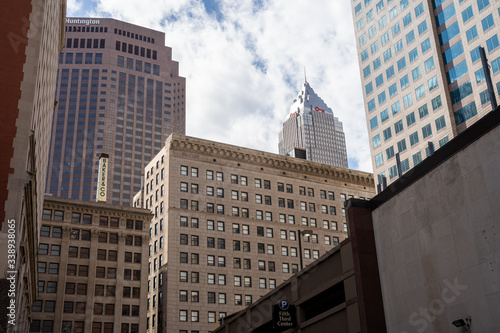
<point>308,101</point>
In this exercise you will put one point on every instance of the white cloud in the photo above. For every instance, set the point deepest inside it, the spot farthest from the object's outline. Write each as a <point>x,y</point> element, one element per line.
<point>73,7</point>
<point>243,71</point>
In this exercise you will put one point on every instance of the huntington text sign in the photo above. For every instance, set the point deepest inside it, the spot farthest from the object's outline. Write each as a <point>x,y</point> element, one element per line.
<point>284,316</point>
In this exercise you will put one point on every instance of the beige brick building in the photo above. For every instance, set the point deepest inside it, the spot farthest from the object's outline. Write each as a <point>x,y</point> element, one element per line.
<point>92,268</point>
<point>422,75</point>
<point>226,226</point>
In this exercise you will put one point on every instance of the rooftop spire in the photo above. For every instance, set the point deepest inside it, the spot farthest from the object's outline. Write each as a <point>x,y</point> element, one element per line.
<point>305,77</point>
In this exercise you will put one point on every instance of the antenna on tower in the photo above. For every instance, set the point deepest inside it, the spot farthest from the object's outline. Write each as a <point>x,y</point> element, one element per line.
<point>305,77</point>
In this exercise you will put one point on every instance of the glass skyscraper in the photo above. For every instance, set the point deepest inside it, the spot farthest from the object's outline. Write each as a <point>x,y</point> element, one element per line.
<point>119,93</point>
<point>422,75</point>
<point>311,126</point>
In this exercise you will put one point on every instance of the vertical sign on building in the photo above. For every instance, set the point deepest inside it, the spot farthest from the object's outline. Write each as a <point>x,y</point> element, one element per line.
<point>102,180</point>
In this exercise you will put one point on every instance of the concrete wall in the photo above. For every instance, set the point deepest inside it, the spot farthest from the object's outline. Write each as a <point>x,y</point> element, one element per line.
<point>438,245</point>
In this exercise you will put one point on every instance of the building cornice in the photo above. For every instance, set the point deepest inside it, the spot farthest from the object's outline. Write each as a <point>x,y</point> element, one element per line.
<point>264,159</point>
<point>80,206</point>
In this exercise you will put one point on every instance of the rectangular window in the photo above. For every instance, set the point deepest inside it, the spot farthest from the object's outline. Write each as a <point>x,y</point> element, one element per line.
<point>379,159</point>
<point>432,83</point>
<point>396,29</point>
<point>381,98</point>
<point>467,14</point>
<point>417,158</point>
<point>369,15</point>
<point>488,22</point>
<point>419,9</point>
<point>387,134</point>
<point>371,105</point>
<point>402,145</point>
<point>425,45</point>
<point>390,72</point>
<point>440,123</point>
<point>368,88</point>
<point>482,3</point>
<point>436,103</point>
<point>405,165</point>
<point>390,152</point>
<point>398,46</point>
<point>401,63</point>
<point>413,55</point>
<point>471,34</point>
<point>410,37</point>
<point>429,64</point>
<point>380,6</point>
<point>495,66</point>
<point>416,73</point>
<point>393,12</point>
<point>426,131</point>
<point>364,55</point>
<point>387,55</point>
<point>393,89</point>
<point>414,138</point>
<point>407,19</point>
<point>492,43</point>
<point>410,119</point>
<point>420,92</point>
<point>384,115</point>
<point>398,126</point>
<point>422,27</point>
<point>404,81</point>
<point>382,22</point>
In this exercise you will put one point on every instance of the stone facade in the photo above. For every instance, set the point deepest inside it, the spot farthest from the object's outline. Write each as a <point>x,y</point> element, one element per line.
<point>226,226</point>
<point>92,268</point>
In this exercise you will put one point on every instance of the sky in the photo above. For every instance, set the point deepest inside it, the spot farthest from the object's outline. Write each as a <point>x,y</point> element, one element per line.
<point>244,63</point>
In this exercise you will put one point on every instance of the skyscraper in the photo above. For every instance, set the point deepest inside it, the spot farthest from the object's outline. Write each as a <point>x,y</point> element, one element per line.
<point>311,125</point>
<point>422,74</point>
<point>227,225</point>
<point>119,93</point>
<point>33,36</point>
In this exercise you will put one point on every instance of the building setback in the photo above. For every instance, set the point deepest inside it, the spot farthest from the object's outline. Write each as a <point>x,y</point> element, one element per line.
<point>119,93</point>
<point>92,268</point>
<point>226,226</point>
<point>32,37</point>
<point>422,75</point>
<point>311,125</point>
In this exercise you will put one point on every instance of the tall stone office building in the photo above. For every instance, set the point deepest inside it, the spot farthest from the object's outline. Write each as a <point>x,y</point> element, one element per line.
<point>32,37</point>
<point>311,125</point>
<point>119,92</point>
<point>226,226</point>
<point>422,74</point>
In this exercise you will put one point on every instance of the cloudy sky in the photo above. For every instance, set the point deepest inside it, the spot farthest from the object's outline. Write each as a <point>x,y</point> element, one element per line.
<point>244,63</point>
